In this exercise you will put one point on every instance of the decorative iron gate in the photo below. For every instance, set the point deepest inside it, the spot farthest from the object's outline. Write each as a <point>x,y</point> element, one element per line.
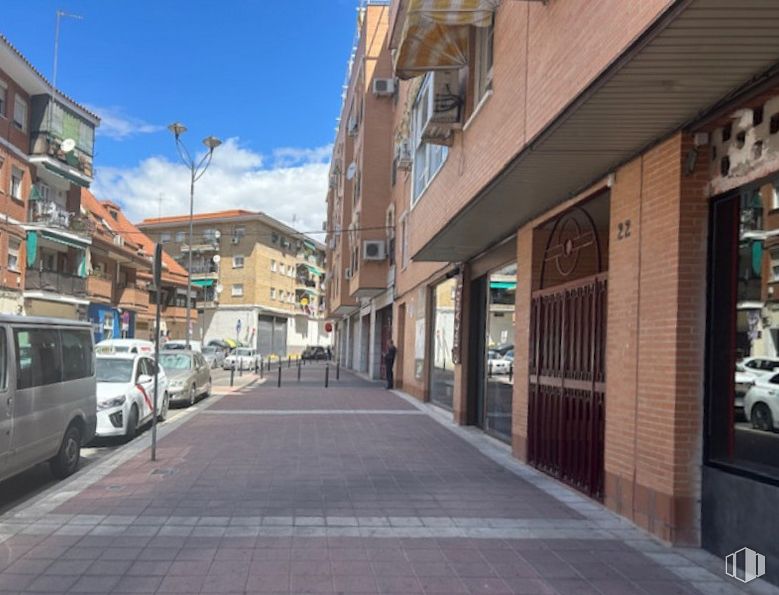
<point>567,382</point>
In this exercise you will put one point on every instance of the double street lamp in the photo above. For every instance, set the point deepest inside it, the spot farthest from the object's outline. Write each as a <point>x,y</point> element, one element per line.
<point>196,170</point>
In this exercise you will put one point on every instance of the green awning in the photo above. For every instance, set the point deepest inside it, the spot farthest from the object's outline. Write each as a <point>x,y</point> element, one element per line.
<point>67,241</point>
<point>35,194</point>
<point>314,270</point>
<point>503,284</point>
<point>312,292</point>
<point>309,244</point>
<point>203,282</point>
<point>32,248</point>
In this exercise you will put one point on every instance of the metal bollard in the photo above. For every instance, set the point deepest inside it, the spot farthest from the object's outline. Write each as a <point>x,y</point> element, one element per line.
<point>511,372</point>
<point>298,371</point>
<point>327,375</point>
<point>240,368</point>
<point>262,369</point>
<point>289,362</point>
<point>232,375</point>
<point>338,370</point>
<point>278,383</point>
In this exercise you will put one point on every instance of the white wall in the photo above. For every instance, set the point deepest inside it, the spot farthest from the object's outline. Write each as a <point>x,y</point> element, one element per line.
<point>220,324</point>
<point>303,331</point>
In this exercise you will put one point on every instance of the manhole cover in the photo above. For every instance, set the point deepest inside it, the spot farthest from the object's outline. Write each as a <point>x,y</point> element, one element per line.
<point>164,472</point>
<point>114,488</point>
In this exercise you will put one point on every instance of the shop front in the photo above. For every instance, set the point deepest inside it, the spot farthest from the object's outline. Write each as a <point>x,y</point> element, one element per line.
<point>109,322</point>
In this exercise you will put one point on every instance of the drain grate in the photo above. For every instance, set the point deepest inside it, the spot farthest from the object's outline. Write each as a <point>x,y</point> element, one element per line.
<point>114,488</point>
<point>167,472</point>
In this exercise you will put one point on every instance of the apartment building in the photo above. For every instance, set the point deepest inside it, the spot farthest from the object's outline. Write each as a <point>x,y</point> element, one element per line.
<point>587,190</point>
<point>258,281</point>
<point>46,149</point>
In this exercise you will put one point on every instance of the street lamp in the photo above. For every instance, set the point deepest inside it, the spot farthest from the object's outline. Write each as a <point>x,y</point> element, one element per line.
<point>196,170</point>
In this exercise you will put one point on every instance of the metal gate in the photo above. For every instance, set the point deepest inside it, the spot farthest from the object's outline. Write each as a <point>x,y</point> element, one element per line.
<point>567,382</point>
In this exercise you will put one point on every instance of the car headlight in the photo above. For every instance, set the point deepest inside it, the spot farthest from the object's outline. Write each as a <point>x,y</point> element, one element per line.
<point>115,402</point>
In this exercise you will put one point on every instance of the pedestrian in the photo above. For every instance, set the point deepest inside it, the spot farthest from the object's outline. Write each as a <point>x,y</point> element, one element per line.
<point>389,362</point>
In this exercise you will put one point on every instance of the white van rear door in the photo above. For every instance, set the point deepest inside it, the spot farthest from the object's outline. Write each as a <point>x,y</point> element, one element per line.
<point>6,402</point>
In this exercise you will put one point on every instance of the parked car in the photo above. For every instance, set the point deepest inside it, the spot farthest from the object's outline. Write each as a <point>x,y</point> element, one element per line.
<point>761,404</point>
<point>496,364</point>
<point>125,393</point>
<point>223,345</point>
<point>214,356</point>
<point>180,344</point>
<point>189,375</point>
<point>509,356</point>
<point>124,346</point>
<point>243,358</point>
<point>47,412</point>
<point>314,352</point>
<point>744,382</point>
<point>758,367</point>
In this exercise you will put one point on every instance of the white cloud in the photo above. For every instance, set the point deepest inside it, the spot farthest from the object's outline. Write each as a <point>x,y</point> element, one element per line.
<point>292,190</point>
<point>115,124</point>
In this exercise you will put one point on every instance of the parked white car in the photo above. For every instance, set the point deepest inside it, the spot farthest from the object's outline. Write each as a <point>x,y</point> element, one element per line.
<point>496,364</point>
<point>125,393</point>
<point>243,358</point>
<point>761,404</point>
<point>758,367</point>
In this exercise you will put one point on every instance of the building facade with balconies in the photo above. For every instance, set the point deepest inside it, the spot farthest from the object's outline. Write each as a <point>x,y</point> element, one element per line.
<point>258,281</point>
<point>47,149</point>
<point>584,199</point>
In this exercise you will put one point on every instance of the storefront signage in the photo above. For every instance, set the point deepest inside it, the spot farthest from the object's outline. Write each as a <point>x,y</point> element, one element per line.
<point>458,316</point>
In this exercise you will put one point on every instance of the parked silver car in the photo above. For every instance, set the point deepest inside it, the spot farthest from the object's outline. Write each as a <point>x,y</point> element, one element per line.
<point>214,355</point>
<point>189,375</point>
<point>48,407</point>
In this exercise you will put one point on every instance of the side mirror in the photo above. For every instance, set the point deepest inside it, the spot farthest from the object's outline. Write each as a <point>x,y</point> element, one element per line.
<point>144,379</point>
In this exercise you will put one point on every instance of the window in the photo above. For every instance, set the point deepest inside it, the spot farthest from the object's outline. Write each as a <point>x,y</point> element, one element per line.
<point>237,290</point>
<point>14,244</point>
<point>272,266</point>
<point>273,293</point>
<point>38,354</point>
<point>428,158</point>
<point>239,232</point>
<point>165,237</point>
<point>291,271</point>
<point>237,262</point>
<point>180,235</point>
<point>15,189</point>
<point>482,76</point>
<point>76,354</point>
<point>743,336</point>
<point>3,97</point>
<point>20,113</point>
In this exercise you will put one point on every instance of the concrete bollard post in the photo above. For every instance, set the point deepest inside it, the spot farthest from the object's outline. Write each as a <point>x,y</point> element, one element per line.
<point>327,375</point>
<point>299,371</point>
<point>278,383</point>
<point>232,375</point>
<point>338,370</point>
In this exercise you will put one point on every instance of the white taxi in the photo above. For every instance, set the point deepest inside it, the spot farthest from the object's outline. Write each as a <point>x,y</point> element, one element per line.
<point>125,393</point>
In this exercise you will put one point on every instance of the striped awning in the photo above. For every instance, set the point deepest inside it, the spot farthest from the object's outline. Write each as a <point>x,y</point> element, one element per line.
<point>435,34</point>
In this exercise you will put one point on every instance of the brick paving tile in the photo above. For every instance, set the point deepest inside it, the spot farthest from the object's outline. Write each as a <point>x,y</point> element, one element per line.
<point>348,490</point>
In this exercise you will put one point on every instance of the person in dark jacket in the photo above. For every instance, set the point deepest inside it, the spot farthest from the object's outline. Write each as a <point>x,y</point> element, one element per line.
<point>389,363</point>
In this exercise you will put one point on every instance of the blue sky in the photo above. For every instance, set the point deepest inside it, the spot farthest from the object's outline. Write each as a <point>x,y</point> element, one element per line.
<point>264,74</point>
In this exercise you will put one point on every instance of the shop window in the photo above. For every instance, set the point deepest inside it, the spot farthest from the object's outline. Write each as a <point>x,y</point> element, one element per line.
<point>742,389</point>
<point>237,290</point>
<point>442,366</point>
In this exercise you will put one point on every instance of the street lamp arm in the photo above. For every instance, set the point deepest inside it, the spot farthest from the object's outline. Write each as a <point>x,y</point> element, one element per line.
<point>184,153</point>
<point>203,165</point>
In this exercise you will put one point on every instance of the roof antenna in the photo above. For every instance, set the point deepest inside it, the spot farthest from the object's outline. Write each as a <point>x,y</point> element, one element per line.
<point>60,14</point>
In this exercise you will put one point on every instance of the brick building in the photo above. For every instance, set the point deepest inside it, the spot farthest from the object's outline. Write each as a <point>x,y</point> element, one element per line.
<point>585,190</point>
<point>258,281</point>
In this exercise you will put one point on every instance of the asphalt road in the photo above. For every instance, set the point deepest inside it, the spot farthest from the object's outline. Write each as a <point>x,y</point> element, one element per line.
<point>20,488</point>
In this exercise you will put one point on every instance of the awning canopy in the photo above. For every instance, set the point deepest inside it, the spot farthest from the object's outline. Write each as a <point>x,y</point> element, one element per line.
<point>203,282</point>
<point>231,342</point>
<point>71,241</point>
<point>435,34</point>
<point>503,284</point>
<point>314,270</point>
<point>67,175</point>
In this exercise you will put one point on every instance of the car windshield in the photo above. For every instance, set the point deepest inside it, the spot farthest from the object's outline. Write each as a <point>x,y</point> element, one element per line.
<point>207,350</point>
<point>176,361</point>
<point>243,352</point>
<point>114,369</point>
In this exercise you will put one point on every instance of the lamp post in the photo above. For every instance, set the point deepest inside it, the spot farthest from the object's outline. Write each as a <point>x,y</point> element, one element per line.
<point>196,171</point>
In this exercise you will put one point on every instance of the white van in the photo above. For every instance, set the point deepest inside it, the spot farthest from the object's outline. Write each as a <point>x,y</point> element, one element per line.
<point>110,346</point>
<point>48,393</point>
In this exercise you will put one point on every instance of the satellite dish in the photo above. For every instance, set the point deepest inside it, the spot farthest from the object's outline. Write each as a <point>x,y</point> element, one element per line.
<point>217,258</point>
<point>351,170</point>
<point>219,288</point>
<point>68,145</point>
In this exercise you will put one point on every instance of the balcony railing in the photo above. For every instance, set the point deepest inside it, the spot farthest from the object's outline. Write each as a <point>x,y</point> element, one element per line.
<point>49,213</point>
<point>134,297</point>
<point>100,286</point>
<point>55,282</point>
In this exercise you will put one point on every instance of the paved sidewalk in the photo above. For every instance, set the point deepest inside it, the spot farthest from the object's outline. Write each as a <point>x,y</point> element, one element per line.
<point>346,489</point>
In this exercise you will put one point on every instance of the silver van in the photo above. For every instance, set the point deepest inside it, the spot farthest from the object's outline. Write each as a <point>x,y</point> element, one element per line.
<point>48,393</point>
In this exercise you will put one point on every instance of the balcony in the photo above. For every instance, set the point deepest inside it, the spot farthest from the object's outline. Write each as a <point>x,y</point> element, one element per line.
<point>178,313</point>
<point>204,271</point>
<point>50,214</point>
<point>133,297</point>
<point>52,124</point>
<point>55,282</point>
<point>100,287</point>
<point>205,245</point>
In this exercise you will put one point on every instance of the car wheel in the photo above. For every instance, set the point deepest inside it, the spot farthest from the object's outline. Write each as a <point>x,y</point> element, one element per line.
<point>132,423</point>
<point>65,462</point>
<point>163,413</point>
<point>761,417</point>
<point>192,395</point>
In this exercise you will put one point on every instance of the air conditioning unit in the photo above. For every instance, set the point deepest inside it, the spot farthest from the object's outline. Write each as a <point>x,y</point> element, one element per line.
<point>383,87</point>
<point>351,125</point>
<point>444,107</point>
<point>374,250</point>
<point>348,273</point>
<point>404,157</point>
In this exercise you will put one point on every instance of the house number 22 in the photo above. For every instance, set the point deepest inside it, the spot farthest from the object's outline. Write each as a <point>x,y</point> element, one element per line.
<point>623,229</point>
